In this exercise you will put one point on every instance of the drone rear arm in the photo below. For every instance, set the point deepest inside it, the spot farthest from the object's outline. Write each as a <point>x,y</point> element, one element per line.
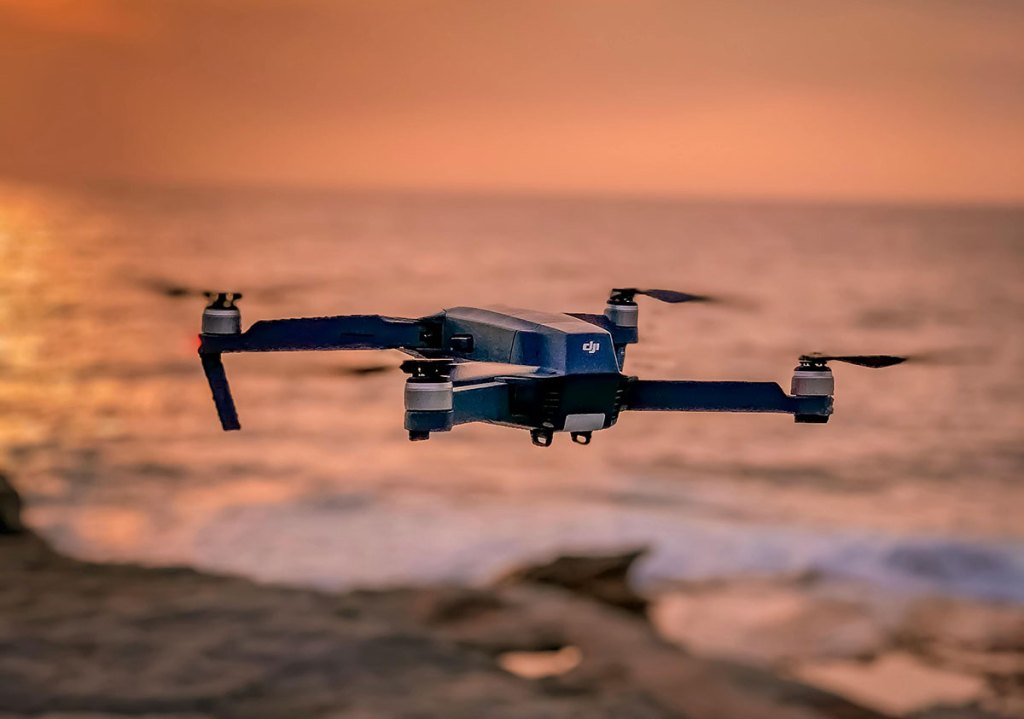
<point>308,333</point>
<point>691,396</point>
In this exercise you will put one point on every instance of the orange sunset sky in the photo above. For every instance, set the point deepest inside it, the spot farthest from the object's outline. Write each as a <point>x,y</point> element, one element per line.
<point>895,100</point>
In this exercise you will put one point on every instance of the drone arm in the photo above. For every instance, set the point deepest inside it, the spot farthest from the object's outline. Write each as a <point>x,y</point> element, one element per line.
<point>218,379</point>
<point>432,409</point>
<point>485,402</point>
<point>690,396</point>
<point>308,333</point>
<point>324,333</point>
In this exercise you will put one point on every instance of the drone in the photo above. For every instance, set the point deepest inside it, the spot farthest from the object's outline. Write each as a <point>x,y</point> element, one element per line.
<point>545,372</point>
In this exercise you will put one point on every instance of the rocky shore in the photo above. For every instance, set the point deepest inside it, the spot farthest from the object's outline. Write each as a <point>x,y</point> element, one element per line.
<point>87,641</point>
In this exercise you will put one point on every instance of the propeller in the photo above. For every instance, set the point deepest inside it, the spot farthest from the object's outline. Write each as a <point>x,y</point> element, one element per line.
<point>625,296</point>
<point>357,371</point>
<point>338,371</point>
<point>176,290</point>
<point>222,300</point>
<point>428,369</point>
<point>873,361</point>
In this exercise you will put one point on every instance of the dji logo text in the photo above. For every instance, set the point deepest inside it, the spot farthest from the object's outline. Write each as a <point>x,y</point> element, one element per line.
<point>591,347</point>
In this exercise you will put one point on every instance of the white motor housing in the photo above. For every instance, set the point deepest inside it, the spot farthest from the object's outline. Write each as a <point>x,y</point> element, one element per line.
<point>433,396</point>
<point>222,321</point>
<point>813,382</point>
<point>622,315</point>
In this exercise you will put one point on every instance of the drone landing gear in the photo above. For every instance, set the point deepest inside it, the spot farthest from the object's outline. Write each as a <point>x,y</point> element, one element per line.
<point>542,437</point>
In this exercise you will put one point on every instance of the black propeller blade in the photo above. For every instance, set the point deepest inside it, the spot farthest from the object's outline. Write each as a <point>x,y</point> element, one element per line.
<point>328,371</point>
<point>435,369</point>
<point>873,361</point>
<point>222,300</point>
<point>337,371</point>
<point>358,371</point>
<point>625,295</point>
<point>170,289</point>
<point>176,290</point>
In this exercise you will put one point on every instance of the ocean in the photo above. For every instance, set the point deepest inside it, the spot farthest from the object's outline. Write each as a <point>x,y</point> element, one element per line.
<point>107,427</point>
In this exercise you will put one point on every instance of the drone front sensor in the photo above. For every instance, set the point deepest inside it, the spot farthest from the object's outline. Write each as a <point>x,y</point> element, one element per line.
<point>545,372</point>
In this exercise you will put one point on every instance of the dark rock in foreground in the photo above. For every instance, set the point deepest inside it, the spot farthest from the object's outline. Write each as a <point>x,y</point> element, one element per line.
<point>128,641</point>
<point>83,638</point>
<point>604,578</point>
<point>10,508</point>
<point>90,640</point>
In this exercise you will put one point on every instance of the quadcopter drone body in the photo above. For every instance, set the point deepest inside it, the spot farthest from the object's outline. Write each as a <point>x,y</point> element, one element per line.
<point>541,371</point>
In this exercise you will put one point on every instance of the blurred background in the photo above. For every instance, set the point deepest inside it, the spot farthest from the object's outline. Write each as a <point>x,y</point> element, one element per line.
<point>850,175</point>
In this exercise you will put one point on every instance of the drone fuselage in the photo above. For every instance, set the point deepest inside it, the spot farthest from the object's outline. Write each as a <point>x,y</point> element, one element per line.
<point>561,373</point>
<point>543,371</point>
<point>554,342</point>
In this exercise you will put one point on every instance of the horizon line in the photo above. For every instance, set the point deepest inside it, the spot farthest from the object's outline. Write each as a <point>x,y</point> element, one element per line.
<point>510,192</point>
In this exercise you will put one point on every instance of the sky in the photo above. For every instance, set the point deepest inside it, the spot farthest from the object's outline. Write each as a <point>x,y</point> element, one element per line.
<point>891,100</point>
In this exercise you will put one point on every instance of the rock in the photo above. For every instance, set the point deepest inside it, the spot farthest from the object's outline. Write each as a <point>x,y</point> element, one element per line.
<point>967,712</point>
<point>10,508</point>
<point>449,604</point>
<point>900,654</point>
<point>618,655</point>
<point>966,625</point>
<point>601,577</point>
<point>768,621</point>
<point>897,682</point>
<point>84,639</point>
<point>95,640</point>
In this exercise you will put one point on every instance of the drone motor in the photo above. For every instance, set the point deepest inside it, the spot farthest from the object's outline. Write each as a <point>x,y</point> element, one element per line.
<point>221,316</point>
<point>812,381</point>
<point>622,309</point>
<point>429,397</point>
